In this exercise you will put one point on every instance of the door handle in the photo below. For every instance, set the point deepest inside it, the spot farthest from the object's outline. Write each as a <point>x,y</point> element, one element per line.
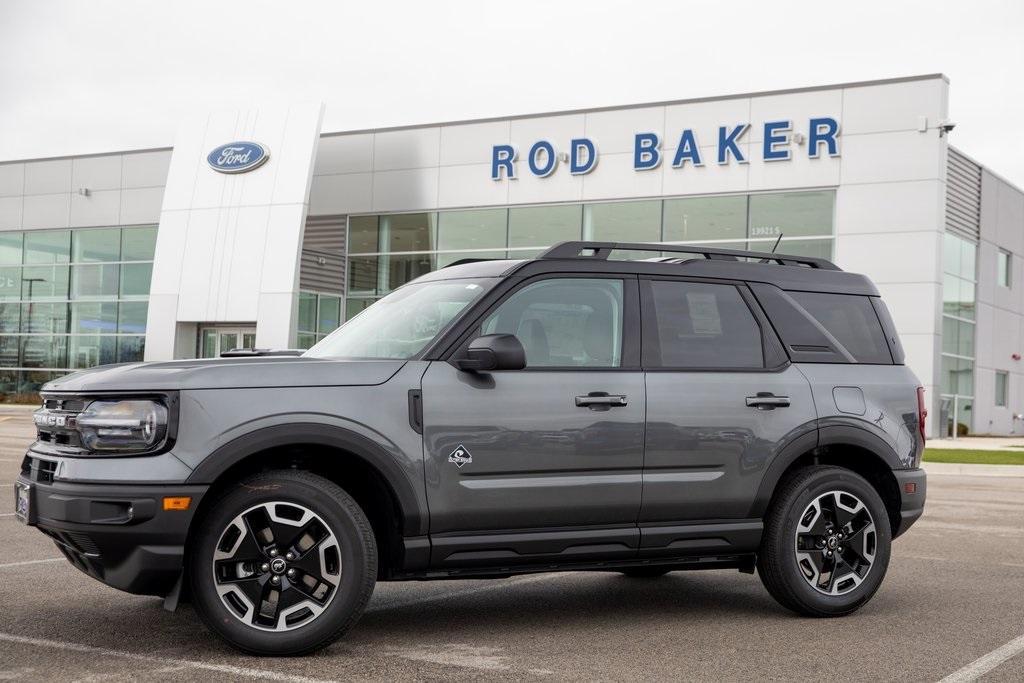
<point>599,400</point>
<point>765,400</point>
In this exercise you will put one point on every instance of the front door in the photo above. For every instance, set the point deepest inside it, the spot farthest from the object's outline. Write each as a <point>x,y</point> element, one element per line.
<point>720,399</point>
<point>214,341</point>
<point>541,461</point>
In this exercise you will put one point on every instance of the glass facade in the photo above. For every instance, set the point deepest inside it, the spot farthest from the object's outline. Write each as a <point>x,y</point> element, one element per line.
<point>319,315</point>
<point>71,299</point>
<point>959,266</point>
<point>386,251</point>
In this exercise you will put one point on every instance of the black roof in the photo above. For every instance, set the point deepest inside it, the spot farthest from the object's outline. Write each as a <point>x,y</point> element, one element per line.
<point>794,273</point>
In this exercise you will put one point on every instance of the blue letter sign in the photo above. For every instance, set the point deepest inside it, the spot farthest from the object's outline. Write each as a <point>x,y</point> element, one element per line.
<point>823,130</point>
<point>576,166</point>
<point>503,157</point>
<point>688,149</point>
<point>646,154</point>
<point>727,143</point>
<point>772,138</point>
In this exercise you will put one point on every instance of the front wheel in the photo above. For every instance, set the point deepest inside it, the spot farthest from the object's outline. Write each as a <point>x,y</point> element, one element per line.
<point>283,564</point>
<point>826,542</point>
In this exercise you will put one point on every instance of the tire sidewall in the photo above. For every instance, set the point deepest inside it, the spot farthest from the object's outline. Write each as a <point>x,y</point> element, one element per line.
<point>833,479</point>
<point>358,558</point>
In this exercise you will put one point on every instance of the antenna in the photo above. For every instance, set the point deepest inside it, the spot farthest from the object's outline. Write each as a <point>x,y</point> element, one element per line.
<point>777,240</point>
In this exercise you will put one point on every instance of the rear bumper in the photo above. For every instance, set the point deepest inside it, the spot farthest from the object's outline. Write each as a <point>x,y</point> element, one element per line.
<point>911,503</point>
<point>117,533</point>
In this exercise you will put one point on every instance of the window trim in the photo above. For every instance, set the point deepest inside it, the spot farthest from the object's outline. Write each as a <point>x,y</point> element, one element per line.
<point>1008,255</point>
<point>1006,389</point>
<point>468,328</point>
<point>651,344</point>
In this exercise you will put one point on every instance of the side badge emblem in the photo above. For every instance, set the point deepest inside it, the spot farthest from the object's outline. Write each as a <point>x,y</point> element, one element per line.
<point>460,456</point>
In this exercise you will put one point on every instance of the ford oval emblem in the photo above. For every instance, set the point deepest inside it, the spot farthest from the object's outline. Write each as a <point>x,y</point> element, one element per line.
<point>237,157</point>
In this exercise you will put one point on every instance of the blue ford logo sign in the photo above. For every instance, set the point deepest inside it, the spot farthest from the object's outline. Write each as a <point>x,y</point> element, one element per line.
<point>237,157</point>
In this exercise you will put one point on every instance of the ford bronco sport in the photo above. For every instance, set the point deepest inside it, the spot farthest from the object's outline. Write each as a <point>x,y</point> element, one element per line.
<point>698,409</point>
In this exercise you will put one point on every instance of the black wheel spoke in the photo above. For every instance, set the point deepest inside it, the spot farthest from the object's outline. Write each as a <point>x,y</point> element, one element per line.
<point>268,605</point>
<point>237,570</point>
<point>308,539</point>
<point>257,522</point>
<point>312,585</point>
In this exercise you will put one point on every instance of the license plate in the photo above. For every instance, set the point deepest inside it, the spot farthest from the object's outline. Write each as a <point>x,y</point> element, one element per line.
<point>23,502</point>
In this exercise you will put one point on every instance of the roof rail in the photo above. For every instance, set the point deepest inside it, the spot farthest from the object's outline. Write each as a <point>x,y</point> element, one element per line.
<point>600,251</point>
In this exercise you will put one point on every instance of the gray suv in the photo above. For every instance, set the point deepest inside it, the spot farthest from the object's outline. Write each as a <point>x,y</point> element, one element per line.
<point>691,409</point>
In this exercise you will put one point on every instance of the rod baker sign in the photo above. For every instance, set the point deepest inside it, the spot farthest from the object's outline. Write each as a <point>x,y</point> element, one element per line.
<point>820,136</point>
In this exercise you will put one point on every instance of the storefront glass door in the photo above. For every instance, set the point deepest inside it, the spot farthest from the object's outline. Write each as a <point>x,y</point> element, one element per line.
<point>214,341</point>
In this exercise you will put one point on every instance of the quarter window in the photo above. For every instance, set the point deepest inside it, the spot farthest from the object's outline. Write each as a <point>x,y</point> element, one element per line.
<point>1004,269</point>
<point>703,325</point>
<point>851,320</point>
<point>570,322</point>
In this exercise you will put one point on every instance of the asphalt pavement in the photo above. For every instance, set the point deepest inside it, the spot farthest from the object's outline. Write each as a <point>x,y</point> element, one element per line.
<point>951,605</point>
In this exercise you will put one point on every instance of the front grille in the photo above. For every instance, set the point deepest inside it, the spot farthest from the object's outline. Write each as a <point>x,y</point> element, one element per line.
<point>71,405</point>
<point>56,423</point>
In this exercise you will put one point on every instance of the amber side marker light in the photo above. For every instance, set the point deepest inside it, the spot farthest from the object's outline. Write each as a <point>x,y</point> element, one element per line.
<point>177,502</point>
<point>909,487</point>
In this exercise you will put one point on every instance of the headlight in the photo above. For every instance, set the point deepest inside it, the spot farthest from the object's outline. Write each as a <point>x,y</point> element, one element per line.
<point>125,426</point>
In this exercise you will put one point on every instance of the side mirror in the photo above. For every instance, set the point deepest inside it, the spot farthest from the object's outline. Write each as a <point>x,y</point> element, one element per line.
<point>493,352</point>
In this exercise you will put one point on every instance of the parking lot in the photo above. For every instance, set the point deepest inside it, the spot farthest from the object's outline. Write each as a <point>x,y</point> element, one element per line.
<point>953,598</point>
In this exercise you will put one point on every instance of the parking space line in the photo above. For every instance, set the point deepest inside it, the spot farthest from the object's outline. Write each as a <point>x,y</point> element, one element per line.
<point>21,564</point>
<point>162,661</point>
<point>981,666</point>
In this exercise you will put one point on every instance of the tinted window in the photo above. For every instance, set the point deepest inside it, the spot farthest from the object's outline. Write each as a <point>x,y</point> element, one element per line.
<point>704,326</point>
<point>572,322</point>
<point>851,320</point>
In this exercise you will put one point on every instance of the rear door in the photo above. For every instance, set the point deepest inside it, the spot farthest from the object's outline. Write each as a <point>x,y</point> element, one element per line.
<point>721,400</point>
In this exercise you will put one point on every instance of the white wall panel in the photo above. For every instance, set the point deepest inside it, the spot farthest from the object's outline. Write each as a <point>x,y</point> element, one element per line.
<point>46,211</point>
<point>101,207</point>
<point>48,177</point>
<point>618,179</point>
<point>141,205</point>
<point>711,178</point>
<point>405,149</point>
<point>96,173</point>
<point>613,131</point>
<point>472,143</point>
<point>890,207</point>
<point>12,180</point>
<point>341,194</point>
<point>10,213</point>
<point>344,154</point>
<point>470,185</point>
<point>881,157</point>
<point>405,190</point>
<point>893,106</point>
<point>146,169</point>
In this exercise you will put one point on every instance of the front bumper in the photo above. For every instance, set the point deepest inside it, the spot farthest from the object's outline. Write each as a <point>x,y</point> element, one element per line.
<point>911,503</point>
<point>117,533</point>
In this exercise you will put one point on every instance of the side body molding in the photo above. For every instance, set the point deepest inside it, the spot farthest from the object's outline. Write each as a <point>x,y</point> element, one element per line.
<point>414,519</point>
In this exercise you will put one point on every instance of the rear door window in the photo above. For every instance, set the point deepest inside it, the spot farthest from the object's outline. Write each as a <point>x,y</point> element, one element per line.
<point>700,325</point>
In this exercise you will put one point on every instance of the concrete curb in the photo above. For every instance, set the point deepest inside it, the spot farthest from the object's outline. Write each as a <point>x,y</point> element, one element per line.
<point>964,469</point>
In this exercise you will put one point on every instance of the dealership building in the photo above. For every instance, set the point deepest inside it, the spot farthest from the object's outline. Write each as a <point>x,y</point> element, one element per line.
<point>258,228</point>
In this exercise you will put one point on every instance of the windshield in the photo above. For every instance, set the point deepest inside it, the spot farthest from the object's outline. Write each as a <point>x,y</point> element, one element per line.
<point>401,324</point>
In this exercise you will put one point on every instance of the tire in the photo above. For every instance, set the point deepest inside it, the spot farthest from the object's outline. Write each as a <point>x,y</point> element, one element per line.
<point>282,564</point>
<point>800,531</point>
<point>644,572</point>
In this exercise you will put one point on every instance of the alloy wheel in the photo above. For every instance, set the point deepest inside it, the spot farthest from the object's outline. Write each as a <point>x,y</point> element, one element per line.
<point>277,566</point>
<point>835,543</point>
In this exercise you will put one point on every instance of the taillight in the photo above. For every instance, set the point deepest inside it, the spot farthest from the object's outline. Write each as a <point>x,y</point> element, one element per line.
<point>922,412</point>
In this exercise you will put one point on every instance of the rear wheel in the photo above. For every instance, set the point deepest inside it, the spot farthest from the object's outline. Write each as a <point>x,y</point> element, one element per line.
<point>283,564</point>
<point>826,543</point>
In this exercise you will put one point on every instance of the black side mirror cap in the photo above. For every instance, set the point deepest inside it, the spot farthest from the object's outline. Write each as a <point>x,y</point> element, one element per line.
<point>493,352</point>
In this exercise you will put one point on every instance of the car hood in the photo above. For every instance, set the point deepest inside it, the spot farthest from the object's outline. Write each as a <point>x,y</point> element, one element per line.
<point>228,373</point>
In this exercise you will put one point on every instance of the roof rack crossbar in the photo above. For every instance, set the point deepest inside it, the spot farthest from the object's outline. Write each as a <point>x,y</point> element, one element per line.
<point>600,251</point>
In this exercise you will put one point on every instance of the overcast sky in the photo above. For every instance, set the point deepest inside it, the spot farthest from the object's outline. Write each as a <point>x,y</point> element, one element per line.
<point>92,76</point>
